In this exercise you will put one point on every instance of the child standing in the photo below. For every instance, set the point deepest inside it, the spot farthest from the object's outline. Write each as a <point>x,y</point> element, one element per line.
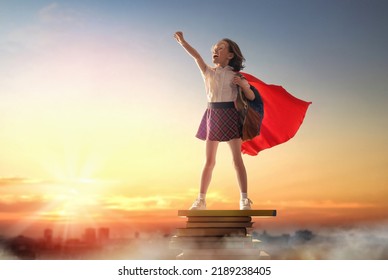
<point>220,122</point>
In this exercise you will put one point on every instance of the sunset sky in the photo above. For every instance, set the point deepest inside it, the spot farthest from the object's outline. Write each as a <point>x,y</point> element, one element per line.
<point>99,107</point>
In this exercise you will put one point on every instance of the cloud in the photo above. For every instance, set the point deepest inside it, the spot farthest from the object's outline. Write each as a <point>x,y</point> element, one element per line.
<point>321,204</point>
<point>20,207</point>
<point>15,181</point>
<point>20,203</point>
<point>129,203</point>
<point>56,13</point>
<point>361,242</point>
<point>53,27</point>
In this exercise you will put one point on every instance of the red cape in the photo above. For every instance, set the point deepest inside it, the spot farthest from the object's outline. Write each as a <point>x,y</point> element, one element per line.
<point>283,115</point>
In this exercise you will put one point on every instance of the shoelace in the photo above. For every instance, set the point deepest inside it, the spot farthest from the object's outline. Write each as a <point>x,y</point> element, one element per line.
<point>198,202</point>
<point>247,201</point>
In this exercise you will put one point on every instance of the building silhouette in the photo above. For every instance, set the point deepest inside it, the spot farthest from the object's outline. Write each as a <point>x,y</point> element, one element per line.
<point>103,235</point>
<point>90,236</point>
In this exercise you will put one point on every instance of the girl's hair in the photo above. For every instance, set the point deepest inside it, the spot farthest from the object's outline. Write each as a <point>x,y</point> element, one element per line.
<point>238,59</point>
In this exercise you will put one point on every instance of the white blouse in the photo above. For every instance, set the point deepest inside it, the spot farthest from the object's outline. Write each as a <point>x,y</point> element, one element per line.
<point>218,84</point>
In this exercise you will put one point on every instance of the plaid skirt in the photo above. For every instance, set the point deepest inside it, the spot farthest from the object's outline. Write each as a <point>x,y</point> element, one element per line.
<point>220,122</point>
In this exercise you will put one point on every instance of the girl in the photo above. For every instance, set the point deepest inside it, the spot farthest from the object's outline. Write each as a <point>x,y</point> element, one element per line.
<point>220,122</point>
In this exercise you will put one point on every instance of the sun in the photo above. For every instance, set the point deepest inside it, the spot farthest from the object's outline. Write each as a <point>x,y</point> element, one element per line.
<point>73,204</point>
<point>67,207</point>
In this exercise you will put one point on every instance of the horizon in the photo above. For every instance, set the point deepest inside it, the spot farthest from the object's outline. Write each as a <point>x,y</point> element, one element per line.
<point>168,225</point>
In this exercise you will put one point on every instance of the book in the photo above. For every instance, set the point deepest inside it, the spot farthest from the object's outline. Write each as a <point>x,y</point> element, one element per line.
<point>239,231</point>
<point>218,224</point>
<point>246,238</point>
<point>260,255</point>
<point>213,245</point>
<point>219,234</point>
<point>226,213</point>
<point>203,219</point>
<point>218,252</point>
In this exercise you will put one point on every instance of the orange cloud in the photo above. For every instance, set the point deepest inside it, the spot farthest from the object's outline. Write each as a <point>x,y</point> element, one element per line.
<point>9,181</point>
<point>320,204</point>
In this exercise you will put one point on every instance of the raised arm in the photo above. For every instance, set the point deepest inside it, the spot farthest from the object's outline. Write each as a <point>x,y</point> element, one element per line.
<point>190,50</point>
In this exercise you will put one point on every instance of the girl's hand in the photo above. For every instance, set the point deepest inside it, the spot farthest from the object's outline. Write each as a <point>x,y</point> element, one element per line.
<point>243,84</point>
<point>179,37</point>
<point>237,80</point>
<point>190,50</point>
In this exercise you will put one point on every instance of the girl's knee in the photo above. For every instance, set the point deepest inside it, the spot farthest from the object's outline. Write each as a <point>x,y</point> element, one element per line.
<point>238,163</point>
<point>210,163</point>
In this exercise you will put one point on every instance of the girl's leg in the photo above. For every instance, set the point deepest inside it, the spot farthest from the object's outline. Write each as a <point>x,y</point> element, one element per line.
<point>235,146</point>
<point>211,151</point>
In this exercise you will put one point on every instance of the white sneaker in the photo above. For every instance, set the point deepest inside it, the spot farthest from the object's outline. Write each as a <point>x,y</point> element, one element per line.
<point>245,204</point>
<point>199,204</point>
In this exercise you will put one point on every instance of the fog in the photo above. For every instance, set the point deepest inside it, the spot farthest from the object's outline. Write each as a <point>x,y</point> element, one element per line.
<point>367,242</point>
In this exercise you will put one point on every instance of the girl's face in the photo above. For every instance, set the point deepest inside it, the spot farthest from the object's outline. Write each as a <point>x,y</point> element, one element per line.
<point>221,55</point>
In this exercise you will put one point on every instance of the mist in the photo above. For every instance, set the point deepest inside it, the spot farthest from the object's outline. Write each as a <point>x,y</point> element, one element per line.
<point>362,242</point>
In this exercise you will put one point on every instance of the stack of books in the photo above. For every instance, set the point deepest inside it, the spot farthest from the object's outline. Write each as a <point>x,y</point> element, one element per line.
<point>218,234</point>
